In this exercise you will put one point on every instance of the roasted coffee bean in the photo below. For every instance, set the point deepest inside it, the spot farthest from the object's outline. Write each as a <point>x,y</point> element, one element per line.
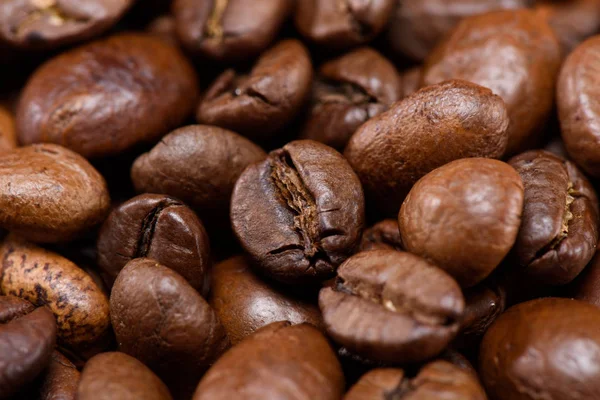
<point>117,376</point>
<point>46,24</point>
<point>546,348</point>
<point>341,24</point>
<point>464,217</point>
<point>50,194</point>
<point>350,90</point>
<point>164,27</point>
<point>59,381</point>
<point>392,306</point>
<point>147,305</point>
<point>8,138</point>
<point>559,225</point>
<point>158,227</point>
<point>411,81</point>
<point>587,285</point>
<point>259,104</point>
<point>279,361</point>
<point>229,30</point>
<point>27,338</point>
<point>436,125</point>
<point>300,213</point>
<point>384,235</point>
<point>107,96</point>
<point>513,53</point>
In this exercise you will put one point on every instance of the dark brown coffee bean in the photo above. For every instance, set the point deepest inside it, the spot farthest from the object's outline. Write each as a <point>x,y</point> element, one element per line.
<point>384,235</point>
<point>50,194</point>
<point>436,125</point>
<point>8,136</point>
<point>279,361</point>
<point>117,376</point>
<point>516,55</point>
<point>229,30</point>
<point>546,348</point>
<point>261,103</point>
<point>158,227</point>
<point>27,338</point>
<point>341,24</point>
<point>46,24</point>
<point>587,285</point>
<point>60,380</point>
<point>411,81</point>
<point>300,213</point>
<point>559,228</point>
<point>107,96</point>
<point>464,217</point>
<point>350,90</point>
<point>392,306</point>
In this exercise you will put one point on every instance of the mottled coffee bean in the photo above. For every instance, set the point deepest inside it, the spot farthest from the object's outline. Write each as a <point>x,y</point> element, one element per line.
<point>259,104</point>
<point>198,164</point>
<point>158,227</point>
<point>47,279</point>
<point>587,285</point>
<point>384,235</point>
<point>245,302</point>
<point>50,194</point>
<point>300,213</point>
<point>559,225</point>
<point>8,137</point>
<point>350,90</point>
<point>436,125</point>
<point>436,380</point>
<point>60,380</point>
<point>117,376</point>
<point>392,306</point>
<point>464,217</point>
<point>279,361</point>
<point>417,26</point>
<point>341,24</point>
<point>148,303</point>
<point>27,338</point>
<point>411,81</point>
<point>545,348</point>
<point>107,96</point>
<point>516,55</point>
<point>46,24</point>
<point>229,30</point>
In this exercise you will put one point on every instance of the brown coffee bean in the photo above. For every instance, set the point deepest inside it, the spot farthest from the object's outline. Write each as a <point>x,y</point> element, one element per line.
<point>8,138</point>
<point>164,27</point>
<point>546,348</point>
<point>117,376</point>
<point>411,81</point>
<point>516,55</point>
<point>261,103</point>
<point>50,194</point>
<point>436,125</point>
<point>60,380</point>
<point>384,235</point>
<point>300,213</point>
<point>350,90</point>
<point>107,96</point>
<point>392,306</point>
<point>587,285</point>
<point>559,227</point>
<point>464,217</point>
<point>279,361</point>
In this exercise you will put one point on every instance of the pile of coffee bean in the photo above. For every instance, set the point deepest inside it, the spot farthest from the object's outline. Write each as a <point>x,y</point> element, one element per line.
<point>299,199</point>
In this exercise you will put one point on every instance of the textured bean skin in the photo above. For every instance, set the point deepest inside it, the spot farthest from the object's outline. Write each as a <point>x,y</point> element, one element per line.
<point>8,136</point>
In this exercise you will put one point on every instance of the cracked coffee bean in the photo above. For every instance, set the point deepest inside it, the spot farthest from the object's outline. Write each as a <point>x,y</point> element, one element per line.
<point>300,213</point>
<point>392,306</point>
<point>8,136</point>
<point>158,227</point>
<point>559,225</point>
<point>384,235</point>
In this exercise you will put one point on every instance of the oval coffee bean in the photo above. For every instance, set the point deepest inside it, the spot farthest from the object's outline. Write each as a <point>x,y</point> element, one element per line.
<point>279,361</point>
<point>108,96</point>
<point>117,376</point>
<point>393,150</point>
<point>464,217</point>
<point>299,214</point>
<point>392,306</point>
<point>158,227</point>
<point>384,235</point>
<point>545,348</point>
<point>559,225</point>
<point>8,136</point>
<point>50,194</point>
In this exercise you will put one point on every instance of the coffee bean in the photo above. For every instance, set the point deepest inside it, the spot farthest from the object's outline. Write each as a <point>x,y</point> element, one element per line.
<point>259,104</point>
<point>60,380</point>
<point>8,138</point>
<point>384,235</point>
<point>587,285</point>
<point>299,214</point>
<point>411,81</point>
<point>392,306</point>
<point>464,217</point>
<point>350,90</point>
<point>107,96</point>
<point>50,194</point>
<point>164,27</point>
<point>559,228</point>
<point>393,150</point>
<point>158,227</point>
